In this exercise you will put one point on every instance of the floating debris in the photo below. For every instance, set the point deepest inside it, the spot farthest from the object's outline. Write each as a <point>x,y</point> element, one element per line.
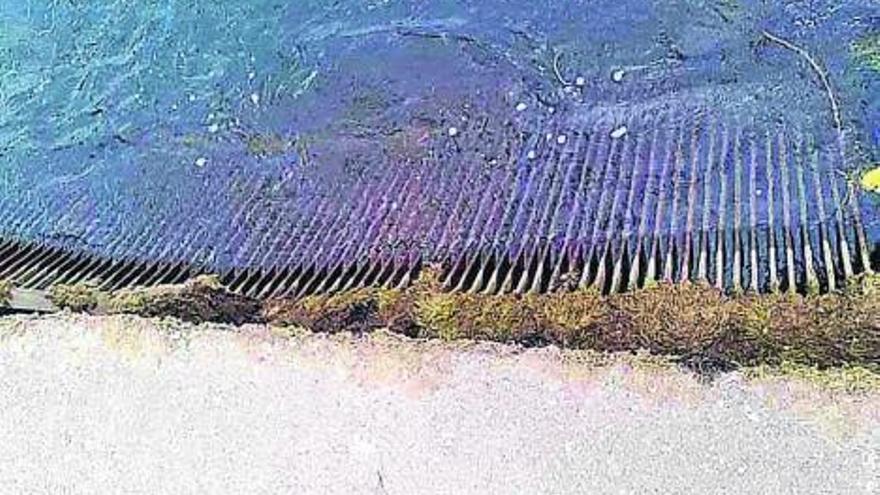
<point>580,81</point>
<point>871,180</point>
<point>619,132</point>
<point>453,131</point>
<point>201,162</point>
<point>617,75</point>
<point>521,107</point>
<point>561,139</point>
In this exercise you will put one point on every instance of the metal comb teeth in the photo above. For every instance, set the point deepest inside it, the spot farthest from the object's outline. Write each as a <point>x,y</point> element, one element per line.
<point>611,198</point>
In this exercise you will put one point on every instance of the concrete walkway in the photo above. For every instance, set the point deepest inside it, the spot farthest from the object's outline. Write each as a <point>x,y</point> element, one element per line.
<point>121,405</point>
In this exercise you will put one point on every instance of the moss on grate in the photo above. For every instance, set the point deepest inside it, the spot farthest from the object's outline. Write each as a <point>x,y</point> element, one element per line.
<point>867,51</point>
<point>5,292</point>
<point>201,299</point>
<point>77,297</point>
<point>696,324</point>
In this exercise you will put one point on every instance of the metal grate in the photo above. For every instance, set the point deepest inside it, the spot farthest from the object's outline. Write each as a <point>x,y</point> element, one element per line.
<point>34,267</point>
<point>670,184</point>
<point>608,199</point>
<point>674,197</point>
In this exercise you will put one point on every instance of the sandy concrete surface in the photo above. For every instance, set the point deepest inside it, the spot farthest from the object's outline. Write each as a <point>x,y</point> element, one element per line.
<point>121,405</point>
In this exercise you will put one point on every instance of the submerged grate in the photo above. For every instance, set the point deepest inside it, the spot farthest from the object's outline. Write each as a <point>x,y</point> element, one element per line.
<point>35,267</point>
<point>610,198</point>
<point>519,156</point>
<point>674,197</point>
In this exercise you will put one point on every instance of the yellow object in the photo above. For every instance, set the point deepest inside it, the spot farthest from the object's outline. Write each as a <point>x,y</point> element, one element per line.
<point>871,180</point>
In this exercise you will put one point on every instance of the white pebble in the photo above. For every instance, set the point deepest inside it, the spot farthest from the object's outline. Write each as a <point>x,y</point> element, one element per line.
<point>561,139</point>
<point>531,155</point>
<point>521,107</point>
<point>580,81</point>
<point>619,132</point>
<point>201,162</point>
<point>255,99</point>
<point>617,75</point>
<point>453,131</point>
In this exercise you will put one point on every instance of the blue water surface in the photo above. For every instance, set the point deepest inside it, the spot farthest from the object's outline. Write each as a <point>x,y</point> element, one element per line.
<point>150,128</point>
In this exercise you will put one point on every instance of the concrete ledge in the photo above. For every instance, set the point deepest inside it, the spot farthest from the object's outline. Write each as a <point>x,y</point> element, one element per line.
<point>30,300</point>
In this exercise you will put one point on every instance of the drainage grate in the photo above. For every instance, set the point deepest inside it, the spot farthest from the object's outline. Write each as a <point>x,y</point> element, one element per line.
<point>608,198</point>
<point>666,196</point>
<point>34,267</point>
<point>519,156</point>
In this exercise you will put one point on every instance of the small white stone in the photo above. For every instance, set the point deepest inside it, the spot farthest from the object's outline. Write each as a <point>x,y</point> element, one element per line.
<point>453,131</point>
<point>201,162</point>
<point>580,81</point>
<point>617,75</point>
<point>255,99</point>
<point>561,139</point>
<point>521,107</point>
<point>619,132</point>
<point>531,155</point>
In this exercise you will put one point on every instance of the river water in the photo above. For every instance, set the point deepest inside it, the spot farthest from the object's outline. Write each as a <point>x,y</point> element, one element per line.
<point>141,128</point>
